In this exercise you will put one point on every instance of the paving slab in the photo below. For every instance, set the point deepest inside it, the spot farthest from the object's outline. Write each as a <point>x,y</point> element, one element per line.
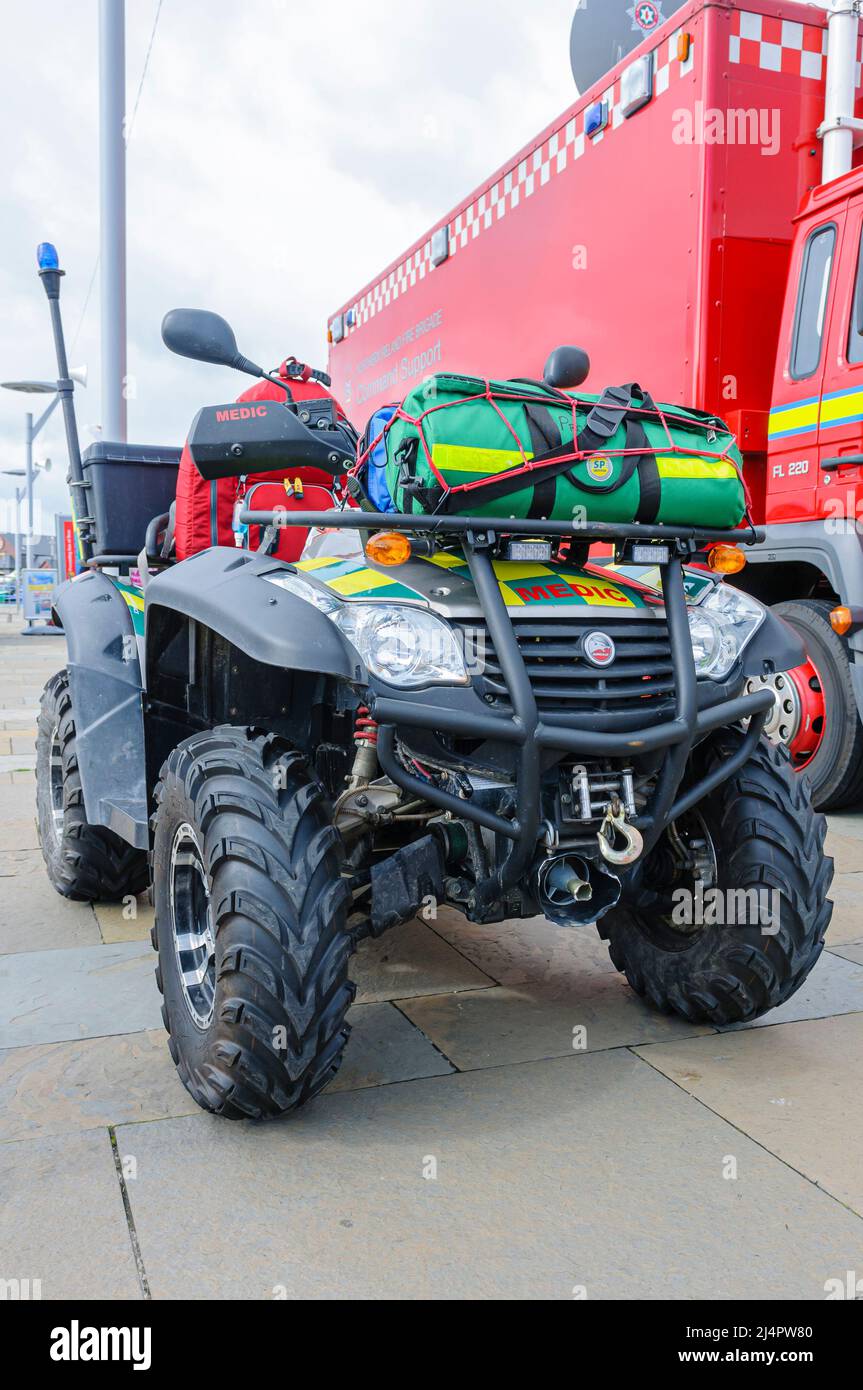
<point>385,1047</point>
<point>19,833</point>
<point>20,762</point>
<point>86,992</point>
<point>594,1173</point>
<point>846,823</point>
<point>129,921</point>
<point>65,1087</point>
<point>17,715</point>
<point>523,1023</point>
<point>33,917</point>
<point>20,861</point>
<point>834,987</point>
<point>513,952</point>
<point>845,851</point>
<point>849,950</point>
<point>411,959</point>
<point>62,1219</point>
<point>795,1089</point>
<point>17,803</point>
<point>847,921</point>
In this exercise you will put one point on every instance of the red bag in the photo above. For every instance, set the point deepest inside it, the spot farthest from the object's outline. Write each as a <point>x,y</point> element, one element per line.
<point>205,510</point>
<point>272,497</point>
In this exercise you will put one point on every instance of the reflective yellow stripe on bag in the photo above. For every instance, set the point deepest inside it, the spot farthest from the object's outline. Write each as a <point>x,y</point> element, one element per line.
<point>675,467</point>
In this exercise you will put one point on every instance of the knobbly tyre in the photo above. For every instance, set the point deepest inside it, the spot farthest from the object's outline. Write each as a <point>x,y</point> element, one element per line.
<point>298,755</point>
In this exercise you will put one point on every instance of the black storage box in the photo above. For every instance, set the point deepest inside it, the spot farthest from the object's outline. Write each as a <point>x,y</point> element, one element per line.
<point>127,485</point>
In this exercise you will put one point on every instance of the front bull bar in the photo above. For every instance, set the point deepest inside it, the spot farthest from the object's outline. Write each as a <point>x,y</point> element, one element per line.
<point>524,728</point>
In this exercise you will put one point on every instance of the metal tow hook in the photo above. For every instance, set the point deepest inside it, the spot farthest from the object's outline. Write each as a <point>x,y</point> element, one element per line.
<point>615,820</point>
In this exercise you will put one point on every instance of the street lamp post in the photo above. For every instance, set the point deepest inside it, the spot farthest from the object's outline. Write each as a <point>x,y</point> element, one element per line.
<point>38,388</point>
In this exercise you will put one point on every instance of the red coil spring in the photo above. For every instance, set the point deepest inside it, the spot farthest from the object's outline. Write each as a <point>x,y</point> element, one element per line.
<point>365,728</point>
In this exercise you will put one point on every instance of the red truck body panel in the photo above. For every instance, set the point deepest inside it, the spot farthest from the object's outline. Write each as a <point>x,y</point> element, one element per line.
<point>661,245</point>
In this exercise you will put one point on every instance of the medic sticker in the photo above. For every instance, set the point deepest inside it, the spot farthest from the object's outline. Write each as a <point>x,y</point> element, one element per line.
<point>646,16</point>
<point>600,468</point>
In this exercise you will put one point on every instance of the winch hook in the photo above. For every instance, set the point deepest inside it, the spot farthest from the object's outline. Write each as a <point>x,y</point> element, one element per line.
<point>615,820</point>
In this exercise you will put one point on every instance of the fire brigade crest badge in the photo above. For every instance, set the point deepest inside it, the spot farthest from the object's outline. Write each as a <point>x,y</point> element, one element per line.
<point>646,16</point>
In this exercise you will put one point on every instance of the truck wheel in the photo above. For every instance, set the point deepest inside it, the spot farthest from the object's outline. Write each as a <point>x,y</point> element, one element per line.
<point>821,694</point>
<point>756,847</point>
<point>250,924</point>
<point>85,862</point>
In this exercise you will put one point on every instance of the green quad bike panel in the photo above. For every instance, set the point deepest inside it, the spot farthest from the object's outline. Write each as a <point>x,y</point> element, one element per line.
<point>462,445</point>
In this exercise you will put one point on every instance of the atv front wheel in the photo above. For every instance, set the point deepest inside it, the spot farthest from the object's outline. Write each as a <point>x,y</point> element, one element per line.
<point>750,860</point>
<point>250,929</point>
<point>85,862</point>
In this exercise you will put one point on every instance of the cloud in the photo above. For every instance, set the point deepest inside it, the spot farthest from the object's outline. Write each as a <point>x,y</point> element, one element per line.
<point>282,154</point>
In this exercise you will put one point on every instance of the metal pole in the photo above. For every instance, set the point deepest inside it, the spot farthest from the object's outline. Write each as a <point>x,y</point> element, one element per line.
<point>19,493</point>
<point>29,485</point>
<point>112,173</point>
<point>838,129</point>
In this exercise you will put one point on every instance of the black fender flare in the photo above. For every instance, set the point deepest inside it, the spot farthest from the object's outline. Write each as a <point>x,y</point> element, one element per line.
<point>775,645</point>
<point>225,590</point>
<point>107,703</point>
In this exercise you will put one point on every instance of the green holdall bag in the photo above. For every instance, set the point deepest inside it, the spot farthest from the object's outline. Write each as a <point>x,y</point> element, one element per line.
<point>523,449</point>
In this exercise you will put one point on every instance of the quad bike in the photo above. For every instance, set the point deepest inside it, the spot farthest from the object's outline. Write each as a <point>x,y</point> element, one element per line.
<point>296,755</point>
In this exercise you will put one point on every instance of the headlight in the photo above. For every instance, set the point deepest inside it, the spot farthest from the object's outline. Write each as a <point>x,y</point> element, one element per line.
<point>405,646</point>
<point>720,628</point>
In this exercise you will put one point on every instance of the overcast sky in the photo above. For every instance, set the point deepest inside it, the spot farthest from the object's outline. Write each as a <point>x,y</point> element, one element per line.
<point>282,153</point>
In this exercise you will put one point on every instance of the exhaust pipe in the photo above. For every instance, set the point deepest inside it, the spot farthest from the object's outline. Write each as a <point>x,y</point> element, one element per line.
<point>573,892</point>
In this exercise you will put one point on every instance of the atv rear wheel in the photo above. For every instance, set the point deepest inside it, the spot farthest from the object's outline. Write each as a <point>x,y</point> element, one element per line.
<point>758,845</point>
<point>85,862</point>
<point>250,929</point>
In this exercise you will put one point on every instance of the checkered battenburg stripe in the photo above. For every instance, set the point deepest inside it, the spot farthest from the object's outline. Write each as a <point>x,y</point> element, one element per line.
<point>566,145</point>
<point>781,45</point>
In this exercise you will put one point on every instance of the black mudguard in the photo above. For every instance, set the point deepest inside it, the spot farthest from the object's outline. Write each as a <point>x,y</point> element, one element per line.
<point>107,704</point>
<point>775,647</point>
<point>224,589</point>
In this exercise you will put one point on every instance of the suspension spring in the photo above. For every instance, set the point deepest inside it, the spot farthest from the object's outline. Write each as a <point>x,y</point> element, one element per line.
<point>365,729</point>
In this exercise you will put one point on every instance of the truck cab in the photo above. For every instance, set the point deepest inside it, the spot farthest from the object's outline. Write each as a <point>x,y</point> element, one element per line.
<point>811,565</point>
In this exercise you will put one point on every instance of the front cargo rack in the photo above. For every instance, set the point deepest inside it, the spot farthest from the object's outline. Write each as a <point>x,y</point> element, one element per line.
<point>523,725</point>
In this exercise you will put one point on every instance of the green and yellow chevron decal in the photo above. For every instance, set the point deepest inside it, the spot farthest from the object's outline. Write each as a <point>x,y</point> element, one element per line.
<point>354,578</point>
<point>135,600</point>
<point>527,584</point>
<point>522,585</point>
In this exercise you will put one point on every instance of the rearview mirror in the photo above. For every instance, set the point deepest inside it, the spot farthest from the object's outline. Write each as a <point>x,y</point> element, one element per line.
<point>206,337</point>
<point>566,367</point>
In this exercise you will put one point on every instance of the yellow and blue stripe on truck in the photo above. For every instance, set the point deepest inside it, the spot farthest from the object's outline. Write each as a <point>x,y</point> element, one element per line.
<point>817,412</point>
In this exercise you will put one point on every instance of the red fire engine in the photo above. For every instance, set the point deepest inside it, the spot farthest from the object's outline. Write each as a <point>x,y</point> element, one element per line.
<point>695,221</point>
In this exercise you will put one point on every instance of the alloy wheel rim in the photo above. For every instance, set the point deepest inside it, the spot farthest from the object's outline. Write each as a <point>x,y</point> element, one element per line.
<point>192,926</point>
<point>55,782</point>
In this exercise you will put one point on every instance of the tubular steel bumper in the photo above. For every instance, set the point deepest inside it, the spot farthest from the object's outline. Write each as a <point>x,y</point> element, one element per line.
<point>524,728</point>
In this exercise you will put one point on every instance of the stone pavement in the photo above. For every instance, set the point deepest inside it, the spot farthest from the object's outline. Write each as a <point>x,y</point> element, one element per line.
<point>465,1149</point>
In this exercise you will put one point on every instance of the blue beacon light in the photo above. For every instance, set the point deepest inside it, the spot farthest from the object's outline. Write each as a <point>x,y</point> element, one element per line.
<point>46,255</point>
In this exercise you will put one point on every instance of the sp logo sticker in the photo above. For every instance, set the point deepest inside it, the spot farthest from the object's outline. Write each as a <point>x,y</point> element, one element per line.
<point>599,649</point>
<point>600,468</point>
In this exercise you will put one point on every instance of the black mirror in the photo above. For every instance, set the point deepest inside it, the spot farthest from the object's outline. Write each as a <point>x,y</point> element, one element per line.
<point>566,367</point>
<point>206,337</point>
